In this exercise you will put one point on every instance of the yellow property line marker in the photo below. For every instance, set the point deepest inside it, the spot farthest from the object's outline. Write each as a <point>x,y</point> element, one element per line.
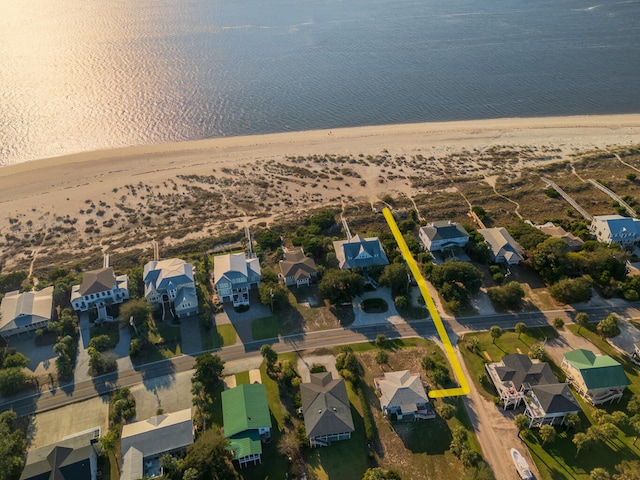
<point>463,389</point>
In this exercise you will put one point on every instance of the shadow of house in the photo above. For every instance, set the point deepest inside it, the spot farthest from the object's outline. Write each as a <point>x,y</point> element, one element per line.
<point>74,457</point>
<point>326,410</point>
<point>143,443</point>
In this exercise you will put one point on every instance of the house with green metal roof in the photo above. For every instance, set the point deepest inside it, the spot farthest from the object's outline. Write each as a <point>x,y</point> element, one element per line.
<point>597,378</point>
<point>247,421</point>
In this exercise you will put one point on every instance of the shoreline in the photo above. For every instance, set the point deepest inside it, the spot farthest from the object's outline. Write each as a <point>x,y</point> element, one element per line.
<point>81,200</point>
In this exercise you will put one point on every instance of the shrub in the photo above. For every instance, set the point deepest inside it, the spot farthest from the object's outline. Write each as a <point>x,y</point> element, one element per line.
<point>447,411</point>
<point>558,322</point>
<point>317,368</point>
<point>571,290</point>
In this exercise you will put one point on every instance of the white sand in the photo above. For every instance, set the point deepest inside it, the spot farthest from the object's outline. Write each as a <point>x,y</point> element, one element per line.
<point>34,193</point>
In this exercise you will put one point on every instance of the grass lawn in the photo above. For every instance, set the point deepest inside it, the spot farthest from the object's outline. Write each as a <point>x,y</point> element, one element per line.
<point>416,449</point>
<point>219,336</point>
<point>506,344</point>
<point>345,459</point>
<point>242,378</point>
<point>374,305</point>
<point>266,327</point>
<point>111,329</point>
<point>558,460</point>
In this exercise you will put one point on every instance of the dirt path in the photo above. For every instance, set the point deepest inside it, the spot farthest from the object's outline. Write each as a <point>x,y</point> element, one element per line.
<point>495,431</point>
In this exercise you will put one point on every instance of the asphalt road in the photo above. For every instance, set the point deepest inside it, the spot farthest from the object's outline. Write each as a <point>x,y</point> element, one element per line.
<point>71,393</point>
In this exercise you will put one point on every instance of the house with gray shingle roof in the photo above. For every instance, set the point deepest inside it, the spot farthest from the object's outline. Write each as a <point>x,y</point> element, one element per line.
<point>597,378</point>
<point>143,443</point>
<point>26,312</point>
<point>518,380</point>
<point>72,458</point>
<point>170,284</point>
<point>99,288</point>
<point>234,275</point>
<point>550,404</point>
<point>403,394</point>
<point>326,410</point>
<point>502,246</point>
<point>247,421</point>
<point>515,374</point>
<point>360,252</point>
<point>438,236</point>
<point>296,268</point>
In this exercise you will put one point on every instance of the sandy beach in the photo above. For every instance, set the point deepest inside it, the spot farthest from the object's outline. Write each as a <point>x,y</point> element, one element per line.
<point>91,199</point>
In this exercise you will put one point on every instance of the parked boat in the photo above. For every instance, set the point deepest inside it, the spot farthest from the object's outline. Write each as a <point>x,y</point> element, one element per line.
<point>521,465</point>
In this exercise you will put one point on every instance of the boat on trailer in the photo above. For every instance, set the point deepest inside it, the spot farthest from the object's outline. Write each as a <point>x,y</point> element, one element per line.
<point>521,465</point>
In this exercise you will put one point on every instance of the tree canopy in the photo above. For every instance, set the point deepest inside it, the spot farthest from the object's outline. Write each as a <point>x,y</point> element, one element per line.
<point>508,296</point>
<point>12,447</point>
<point>456,281</point>
<point>551,260</point>
<point>209,370</point>
<point>395,275</point>
<point>341,286</point>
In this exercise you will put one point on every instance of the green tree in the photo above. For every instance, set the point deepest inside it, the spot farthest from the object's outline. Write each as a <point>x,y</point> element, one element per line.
<point>382,357</point>
<point>12,447</point>
<point>396,277</point>
<point>573,421</point>
<point>341,286</point>
<point>551,260</point>
<point>547,434</point>
<point>208,371</point>
<point>558,322</point>
<point>381,340</point>
<point>522,423</point>
<point>571,290</point>
<point>273,294</point>
<point>599,473</point>
<point>581,441</point>
<point>520,328</point>
<point>14,380</point>
<point>509,296</point>
<point>270,356</point>
<point>495,332</point>
<point>538,352</point>
<point>378,473</point>
<point>210,457</point>
<point>139,309</point>
<point>456,281</point>
<point>608,327</point>
<point>528,236</point>
<point>627,470</point>
<point>582,319</point>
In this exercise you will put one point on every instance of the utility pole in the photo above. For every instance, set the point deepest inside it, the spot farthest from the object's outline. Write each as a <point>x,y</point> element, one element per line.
<point>271,295</point>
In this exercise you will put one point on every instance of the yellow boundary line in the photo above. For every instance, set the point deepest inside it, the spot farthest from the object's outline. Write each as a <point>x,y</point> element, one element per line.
<point>463,389</point>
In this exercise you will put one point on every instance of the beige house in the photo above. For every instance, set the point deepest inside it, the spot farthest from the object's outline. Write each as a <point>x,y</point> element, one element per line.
<point>26,312</point>
<point>296,268</point>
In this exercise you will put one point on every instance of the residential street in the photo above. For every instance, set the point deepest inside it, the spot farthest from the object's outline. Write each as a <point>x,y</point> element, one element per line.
<point>494,429</point>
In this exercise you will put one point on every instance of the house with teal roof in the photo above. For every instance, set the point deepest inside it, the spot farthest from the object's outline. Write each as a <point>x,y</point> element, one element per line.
<point>597,378</point>
<point>247,422</point>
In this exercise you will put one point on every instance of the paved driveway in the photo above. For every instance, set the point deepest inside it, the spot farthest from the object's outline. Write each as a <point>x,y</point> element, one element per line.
<point>190,334</point>
<point>42,360</point>
<point>363,318</point>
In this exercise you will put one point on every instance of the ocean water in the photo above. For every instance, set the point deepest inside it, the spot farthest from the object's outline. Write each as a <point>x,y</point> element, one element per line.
<point>79,75</point>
